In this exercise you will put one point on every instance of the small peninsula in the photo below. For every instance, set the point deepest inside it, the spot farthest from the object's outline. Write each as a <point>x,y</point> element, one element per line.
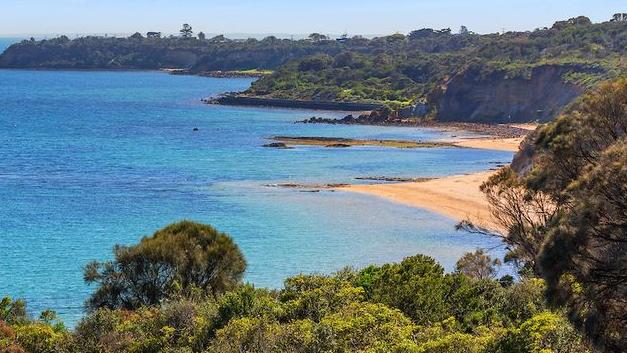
<point>428,73</point>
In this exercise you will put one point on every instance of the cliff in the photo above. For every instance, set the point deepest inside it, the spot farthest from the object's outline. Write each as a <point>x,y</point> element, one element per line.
<point>509,77</point>
<point>495,97</point>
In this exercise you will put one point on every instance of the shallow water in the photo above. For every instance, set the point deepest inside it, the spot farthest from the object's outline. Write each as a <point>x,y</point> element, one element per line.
<point>91,159</point>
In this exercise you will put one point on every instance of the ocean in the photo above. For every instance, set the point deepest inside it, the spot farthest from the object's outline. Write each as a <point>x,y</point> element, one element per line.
<point>6,42</point>
<point>93,159</point>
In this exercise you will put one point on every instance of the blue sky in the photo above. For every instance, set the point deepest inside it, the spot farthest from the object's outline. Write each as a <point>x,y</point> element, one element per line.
<point>20,17</point>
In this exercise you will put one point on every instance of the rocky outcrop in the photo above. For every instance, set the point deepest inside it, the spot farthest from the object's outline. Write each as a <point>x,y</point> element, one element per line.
<point>280,145</point>
<point>373,118</point>
<point>474,96</point>
<point>240,100</point>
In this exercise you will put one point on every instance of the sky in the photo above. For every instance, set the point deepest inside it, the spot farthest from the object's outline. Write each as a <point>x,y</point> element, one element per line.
<point>367,17</point>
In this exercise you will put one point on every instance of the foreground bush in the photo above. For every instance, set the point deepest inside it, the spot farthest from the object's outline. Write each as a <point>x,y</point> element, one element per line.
<point>179,258</point>
<point>411,306</point>
<point>351,311</point>
<point>564,204</point>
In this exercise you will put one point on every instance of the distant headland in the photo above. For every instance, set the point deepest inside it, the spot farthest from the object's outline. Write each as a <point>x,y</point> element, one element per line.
<point>425,75</point>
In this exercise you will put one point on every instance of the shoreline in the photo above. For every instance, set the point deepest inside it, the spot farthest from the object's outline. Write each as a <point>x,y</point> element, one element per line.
<point>336,142</point>
<point>489,143</point>
<point>485,143</point>
<point>255,101</point>
<point>457,197</point>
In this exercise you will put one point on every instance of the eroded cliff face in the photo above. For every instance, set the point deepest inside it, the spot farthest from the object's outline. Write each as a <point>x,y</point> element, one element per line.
<point>474,96</point>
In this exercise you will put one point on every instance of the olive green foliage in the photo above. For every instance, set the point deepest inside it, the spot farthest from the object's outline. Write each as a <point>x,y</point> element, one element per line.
<point>398,70</point>
<point>566,215</point>
<point>180,258</point>
<point>139,52</point>
<point>545,332</point>
<point>395,70</point>
<point>20,334</point>
<point>478,265</point>
<point>416,286</point>
<point>351,311</point>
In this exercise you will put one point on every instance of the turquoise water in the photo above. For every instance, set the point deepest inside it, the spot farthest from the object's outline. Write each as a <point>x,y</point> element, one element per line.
<point>91,159</point>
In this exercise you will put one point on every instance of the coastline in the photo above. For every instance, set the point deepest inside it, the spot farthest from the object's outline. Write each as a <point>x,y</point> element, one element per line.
<point>457,197</point>
<point>254,101</point>
<point>489,143</point>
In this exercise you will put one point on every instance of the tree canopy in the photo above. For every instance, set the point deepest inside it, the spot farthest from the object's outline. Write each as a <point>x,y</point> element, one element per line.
<point>350,311</point>
<point>177,259</point>
<point>187,31</point>
<point>565,210</point>
<point>396,70</point>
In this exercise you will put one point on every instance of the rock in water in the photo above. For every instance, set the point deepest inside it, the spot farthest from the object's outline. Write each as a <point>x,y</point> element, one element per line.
<point>276,145</point>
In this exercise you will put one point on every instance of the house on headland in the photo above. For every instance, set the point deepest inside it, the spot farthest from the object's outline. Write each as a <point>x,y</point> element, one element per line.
<point>343,38</point>
<point>153,35</point>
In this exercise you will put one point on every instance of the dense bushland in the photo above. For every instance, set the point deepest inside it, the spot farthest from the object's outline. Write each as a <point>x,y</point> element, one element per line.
<point>412,306</point>
<point>399,70</point>
<point>564,204</point>
<point>396,70</point>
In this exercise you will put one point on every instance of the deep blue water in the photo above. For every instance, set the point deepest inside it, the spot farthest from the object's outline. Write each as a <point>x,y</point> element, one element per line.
<point>91,159</point>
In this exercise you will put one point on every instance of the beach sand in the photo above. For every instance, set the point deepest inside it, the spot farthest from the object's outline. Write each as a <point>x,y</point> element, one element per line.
<point>511,144</point>
<point>489,143</point>
<point>457,197</point>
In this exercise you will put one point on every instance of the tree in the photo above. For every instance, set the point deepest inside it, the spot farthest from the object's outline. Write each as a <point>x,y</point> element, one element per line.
<point>218,39</point>
<point>187,31</point>
<point>179,258</point>
<point>315,63</point>
<point>571,22</point>
<point>463,30</point>
<point>478,265</point>
<point>317,37</point>
<point>567,213</point>
<point>13,311</point>
<point>202,36</point>
<point>313,297</point>
<point>619,17</point>
<point>585,257</point>
<point>137,35</point>
<point>270,40</point>
<point>395,38</point>
<point>416,286</point>
<point>544,332</point>
<point>522,213</point>
<point>421,33</point>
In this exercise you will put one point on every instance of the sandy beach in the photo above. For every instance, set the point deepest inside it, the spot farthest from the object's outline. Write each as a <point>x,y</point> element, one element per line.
<point>489,143</point>
<point>457,197</point>
<point>499,143</point>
